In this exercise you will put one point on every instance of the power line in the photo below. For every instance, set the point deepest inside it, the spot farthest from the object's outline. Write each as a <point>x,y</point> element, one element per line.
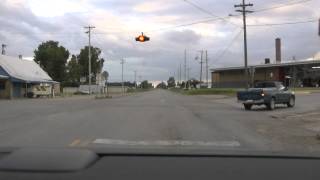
<point>227,17</point>
<point>206,11</point>
<point>218,58</point>
<point>283,5</point>
<point>284,23</point>
<point>187,24</point>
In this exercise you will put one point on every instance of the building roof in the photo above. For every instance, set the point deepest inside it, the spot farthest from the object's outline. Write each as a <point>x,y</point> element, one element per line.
<point>284,64</point>
<point>23,70</point>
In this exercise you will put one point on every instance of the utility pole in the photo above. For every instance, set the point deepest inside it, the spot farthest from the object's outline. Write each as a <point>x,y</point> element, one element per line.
<point>122,81</point>
<point>3,52</point>
<point>207,69</point>
<point>201,62</point>
<point>135,79</point>
<point>244,12</point>
<point>185,68</point>
<point>188,76</point>
<point>89,55</point>
<point>180,74</point>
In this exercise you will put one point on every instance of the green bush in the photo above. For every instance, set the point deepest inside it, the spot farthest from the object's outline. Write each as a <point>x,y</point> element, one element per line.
<point>213,91</point>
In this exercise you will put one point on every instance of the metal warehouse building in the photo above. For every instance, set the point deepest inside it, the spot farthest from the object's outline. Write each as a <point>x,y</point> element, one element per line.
<point>303,73</point>
<point>19,76</point>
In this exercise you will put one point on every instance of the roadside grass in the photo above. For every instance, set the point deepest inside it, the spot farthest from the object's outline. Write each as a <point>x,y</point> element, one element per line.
<point>306,89</point>
<point>212,91</point>
<point>103,96</point>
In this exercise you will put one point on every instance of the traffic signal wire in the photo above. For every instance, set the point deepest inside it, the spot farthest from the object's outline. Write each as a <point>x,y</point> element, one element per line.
<point>282,5</point>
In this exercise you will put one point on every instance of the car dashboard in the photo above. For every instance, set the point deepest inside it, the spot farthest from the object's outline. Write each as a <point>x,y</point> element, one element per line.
<point>45,163</point>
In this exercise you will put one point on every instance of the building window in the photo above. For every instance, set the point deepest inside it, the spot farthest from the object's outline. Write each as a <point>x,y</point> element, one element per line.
<point>2,85</point>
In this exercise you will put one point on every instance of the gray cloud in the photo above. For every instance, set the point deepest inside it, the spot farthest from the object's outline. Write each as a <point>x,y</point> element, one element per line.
<point>159,58</point>
<point>182,37</point>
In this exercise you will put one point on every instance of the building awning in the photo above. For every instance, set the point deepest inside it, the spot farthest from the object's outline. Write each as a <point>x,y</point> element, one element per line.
<point>4,77</point>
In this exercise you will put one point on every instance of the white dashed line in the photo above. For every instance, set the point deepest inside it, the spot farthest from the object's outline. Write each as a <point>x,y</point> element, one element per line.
<point>167,143</point>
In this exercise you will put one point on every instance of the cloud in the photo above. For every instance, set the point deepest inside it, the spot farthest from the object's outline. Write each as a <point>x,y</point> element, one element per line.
<point>52,8</point>
<point>182,37</point>
<point>27,23</point>
<point>152,6</point>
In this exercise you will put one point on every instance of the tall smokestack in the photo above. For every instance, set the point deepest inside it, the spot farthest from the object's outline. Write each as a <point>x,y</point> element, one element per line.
<point>278,50</point>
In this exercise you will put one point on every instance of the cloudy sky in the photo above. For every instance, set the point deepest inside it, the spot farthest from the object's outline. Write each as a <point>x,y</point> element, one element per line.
<point>26,23</point>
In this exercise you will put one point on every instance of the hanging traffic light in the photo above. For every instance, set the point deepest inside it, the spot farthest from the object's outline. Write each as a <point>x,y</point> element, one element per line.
<point>142,38</point>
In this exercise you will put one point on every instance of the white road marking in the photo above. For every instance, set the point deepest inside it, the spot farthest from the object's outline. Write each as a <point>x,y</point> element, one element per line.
<point>167,143</point>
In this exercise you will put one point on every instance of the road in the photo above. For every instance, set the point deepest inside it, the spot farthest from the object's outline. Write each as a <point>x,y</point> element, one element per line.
<point>155,118</point>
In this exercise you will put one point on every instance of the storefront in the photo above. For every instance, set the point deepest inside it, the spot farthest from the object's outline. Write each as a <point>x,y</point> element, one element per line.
<point>19,77</point>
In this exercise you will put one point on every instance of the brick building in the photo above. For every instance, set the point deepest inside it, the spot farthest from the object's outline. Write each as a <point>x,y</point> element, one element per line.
<point>302,73</point>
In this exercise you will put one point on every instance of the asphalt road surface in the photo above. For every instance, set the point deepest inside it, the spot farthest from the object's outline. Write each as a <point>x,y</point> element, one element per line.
<point>155,118</point>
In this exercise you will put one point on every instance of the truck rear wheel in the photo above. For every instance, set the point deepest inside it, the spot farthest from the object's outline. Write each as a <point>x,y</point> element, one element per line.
<point>247,106</point>
<point>272,104</point>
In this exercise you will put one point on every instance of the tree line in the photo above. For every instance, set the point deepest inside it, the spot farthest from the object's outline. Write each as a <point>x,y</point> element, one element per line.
<point>68,69</point>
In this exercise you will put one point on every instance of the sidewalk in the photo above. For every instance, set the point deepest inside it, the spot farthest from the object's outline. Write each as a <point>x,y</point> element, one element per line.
<point>299,131</point>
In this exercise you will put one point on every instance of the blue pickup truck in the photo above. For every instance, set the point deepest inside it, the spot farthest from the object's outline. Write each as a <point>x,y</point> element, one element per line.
<point>266,93</point>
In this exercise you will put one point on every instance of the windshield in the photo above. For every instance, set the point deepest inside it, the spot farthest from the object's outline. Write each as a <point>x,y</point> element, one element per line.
<point>265,85</point>
<point>160,74</point>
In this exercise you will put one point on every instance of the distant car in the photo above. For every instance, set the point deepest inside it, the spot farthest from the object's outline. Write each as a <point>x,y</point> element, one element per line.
<point>267,93</point>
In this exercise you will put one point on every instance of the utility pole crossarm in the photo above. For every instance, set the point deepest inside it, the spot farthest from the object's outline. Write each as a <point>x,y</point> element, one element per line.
<point>243,5</point>
<point>246,11</point>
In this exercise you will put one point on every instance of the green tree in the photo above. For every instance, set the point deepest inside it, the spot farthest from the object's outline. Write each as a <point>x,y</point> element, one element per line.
<point>96,62</point>
<point>171,82</point>
<point>52,58</point>
<point>74,70</point>
<point>162,85</point>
